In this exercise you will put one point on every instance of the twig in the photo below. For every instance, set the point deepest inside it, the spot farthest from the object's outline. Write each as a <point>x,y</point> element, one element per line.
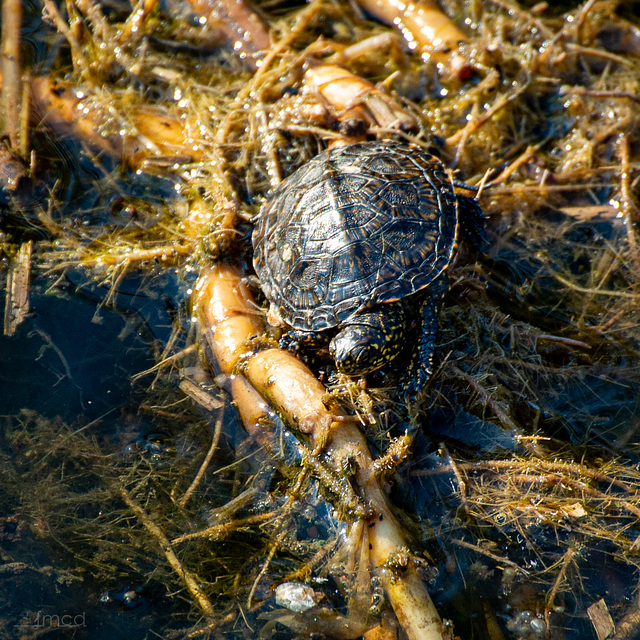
<point>601,619</point>
<point>462,485</point>
<point>600,53</point>
<point>220,531</point>
<point>570,342</point>
<point>517,163</point>
<point>191,580</point>
<point>598,93</point>
<point>557,467</point>
<point>268,139</point>
<point>628,206</point>
<point>165,362</point>
<point>205,463</point>
<point>52,345</point>
<point>80,61</point>
<point>162,253</point>
<point>566,561</point>
<point>578,485</point>
<point>275,545</point>
<point>200,395</point>
<point>323,553</point>
<point>502,101</point>
<point>132,28</point>
<point>205,630</point>
<point>533,465</point>
<point>498,559</point>
<point>599,292</point>
<point>16,303</point>
<point>488,399</point>
<point>302,21</point>
<point>521,16</point>
<point>585,10</point>
<point>466,132</point>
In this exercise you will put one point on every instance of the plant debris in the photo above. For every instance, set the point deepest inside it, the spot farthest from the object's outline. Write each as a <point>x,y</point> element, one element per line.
<point>246,493</point>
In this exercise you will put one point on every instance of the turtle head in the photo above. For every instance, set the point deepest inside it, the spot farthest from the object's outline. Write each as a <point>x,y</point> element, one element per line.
<point>369,340</point>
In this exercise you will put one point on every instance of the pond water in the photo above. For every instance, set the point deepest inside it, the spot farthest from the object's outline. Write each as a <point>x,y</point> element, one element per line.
<point>72,359</point>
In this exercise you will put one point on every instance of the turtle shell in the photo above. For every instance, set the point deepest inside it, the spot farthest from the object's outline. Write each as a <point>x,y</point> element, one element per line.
<point>358,225</point>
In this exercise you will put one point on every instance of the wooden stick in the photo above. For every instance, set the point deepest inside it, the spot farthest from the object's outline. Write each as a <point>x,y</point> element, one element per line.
<point>354,97</point>
<point>16,304</point>
<point>207,460</point>
<point>11,85</point>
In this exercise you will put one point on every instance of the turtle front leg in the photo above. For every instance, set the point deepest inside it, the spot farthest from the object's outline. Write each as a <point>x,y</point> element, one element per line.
<point>297,342</point>
<point>421,367</point>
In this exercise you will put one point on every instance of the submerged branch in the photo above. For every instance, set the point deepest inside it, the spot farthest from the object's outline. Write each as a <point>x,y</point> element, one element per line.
<point>71,112</point>
<point>227,321</point>
<point>424,25</point>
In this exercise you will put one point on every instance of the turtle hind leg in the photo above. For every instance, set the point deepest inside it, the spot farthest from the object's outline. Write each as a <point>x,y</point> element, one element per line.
<point>472,224</point>
<point>421,369</point>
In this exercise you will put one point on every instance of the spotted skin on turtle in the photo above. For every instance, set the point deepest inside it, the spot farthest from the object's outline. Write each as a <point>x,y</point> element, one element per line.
<point>354,247</point>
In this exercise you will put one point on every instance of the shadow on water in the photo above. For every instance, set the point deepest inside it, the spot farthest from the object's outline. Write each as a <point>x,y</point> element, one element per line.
<point>71,362</point>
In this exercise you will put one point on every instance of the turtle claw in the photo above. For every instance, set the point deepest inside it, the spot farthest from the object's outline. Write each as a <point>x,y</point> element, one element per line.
<point>413,389</point>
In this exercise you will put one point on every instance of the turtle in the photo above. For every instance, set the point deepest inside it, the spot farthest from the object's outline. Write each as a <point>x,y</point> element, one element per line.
<point>353,249</point>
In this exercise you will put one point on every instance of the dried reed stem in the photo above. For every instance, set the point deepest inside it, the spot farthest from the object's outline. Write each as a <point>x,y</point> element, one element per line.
<point>11,70</point>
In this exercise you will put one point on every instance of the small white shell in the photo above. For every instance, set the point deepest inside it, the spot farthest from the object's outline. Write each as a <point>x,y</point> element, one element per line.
<point>296,596</point>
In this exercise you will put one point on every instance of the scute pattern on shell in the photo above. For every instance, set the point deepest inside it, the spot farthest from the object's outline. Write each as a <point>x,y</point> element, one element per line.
<point>357,225</point>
